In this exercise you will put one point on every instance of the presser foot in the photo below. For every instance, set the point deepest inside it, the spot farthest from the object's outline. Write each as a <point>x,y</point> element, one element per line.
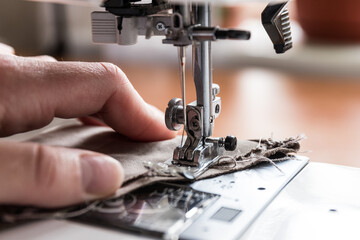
<point>192,172</point>
<point>192,161</point>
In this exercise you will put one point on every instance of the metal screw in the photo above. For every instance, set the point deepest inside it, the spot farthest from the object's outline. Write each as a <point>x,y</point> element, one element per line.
<point>211,119</point>
<point>160,26</point>
<point>195,124</point>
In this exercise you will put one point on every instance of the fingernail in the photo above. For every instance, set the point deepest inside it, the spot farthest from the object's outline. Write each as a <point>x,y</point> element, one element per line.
<point>101,175</point>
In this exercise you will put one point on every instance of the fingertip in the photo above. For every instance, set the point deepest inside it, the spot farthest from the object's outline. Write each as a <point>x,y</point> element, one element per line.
<point>156,130</point>
<point>160,118</point>
<point>47,176</point>
<point>119,173</point>
<point>101,175</point>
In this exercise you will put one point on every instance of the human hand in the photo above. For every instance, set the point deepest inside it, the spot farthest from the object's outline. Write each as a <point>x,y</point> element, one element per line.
<point>34,90</point>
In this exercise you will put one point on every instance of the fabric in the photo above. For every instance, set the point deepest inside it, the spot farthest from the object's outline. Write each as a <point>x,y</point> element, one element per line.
<point>132,154</point>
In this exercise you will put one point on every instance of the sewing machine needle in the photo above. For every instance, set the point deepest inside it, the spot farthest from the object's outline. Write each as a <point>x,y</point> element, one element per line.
<point>182,58</point>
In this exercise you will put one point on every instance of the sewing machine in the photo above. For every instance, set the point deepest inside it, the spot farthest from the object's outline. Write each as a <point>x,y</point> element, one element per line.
<point>196,210</point>
<point>222,207</point>
<point>183,24</point>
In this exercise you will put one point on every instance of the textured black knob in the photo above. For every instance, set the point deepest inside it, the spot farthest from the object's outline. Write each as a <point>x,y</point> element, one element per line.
<point>276,21</point>
<point>230,143</point>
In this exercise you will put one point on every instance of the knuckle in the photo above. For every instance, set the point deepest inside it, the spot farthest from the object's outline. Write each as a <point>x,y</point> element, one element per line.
<point>44,165</point>
<point>114,73</point>
<point>55,176</point>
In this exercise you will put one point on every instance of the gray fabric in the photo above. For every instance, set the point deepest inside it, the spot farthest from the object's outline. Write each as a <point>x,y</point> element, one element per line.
<point>132,154</point>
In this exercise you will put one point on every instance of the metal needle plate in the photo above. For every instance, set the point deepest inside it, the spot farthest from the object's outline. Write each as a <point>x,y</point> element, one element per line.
<point>217,208</point>
<point>244,195</point>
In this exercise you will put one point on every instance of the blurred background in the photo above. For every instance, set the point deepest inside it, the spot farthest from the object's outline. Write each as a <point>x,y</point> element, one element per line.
<point>312,89</point>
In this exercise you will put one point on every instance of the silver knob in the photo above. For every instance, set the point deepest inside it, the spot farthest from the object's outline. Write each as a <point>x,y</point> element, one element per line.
<point>174,114</point>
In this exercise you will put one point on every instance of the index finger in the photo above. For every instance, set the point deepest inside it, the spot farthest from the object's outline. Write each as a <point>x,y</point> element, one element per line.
<point>38,91</point>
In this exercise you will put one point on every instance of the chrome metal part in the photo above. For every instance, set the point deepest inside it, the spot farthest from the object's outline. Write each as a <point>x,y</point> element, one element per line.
<point>203,69</point>
<point>244,195</point>
<point>195,171</point>
<point>200,115</point>
<point>229,143</point>
<point>174,114</point>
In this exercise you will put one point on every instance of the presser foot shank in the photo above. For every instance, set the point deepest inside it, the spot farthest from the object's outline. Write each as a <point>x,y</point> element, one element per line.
<point>198,152</point>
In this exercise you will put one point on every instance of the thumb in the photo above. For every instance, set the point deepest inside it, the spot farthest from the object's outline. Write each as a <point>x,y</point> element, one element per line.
<point>39,175</point>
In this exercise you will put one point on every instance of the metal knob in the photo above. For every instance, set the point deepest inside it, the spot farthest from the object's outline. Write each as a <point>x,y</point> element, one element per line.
<point>230,143</point>
<point>174,114</point>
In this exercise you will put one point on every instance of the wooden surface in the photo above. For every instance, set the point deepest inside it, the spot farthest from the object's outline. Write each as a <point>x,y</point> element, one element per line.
<point>260,102</point>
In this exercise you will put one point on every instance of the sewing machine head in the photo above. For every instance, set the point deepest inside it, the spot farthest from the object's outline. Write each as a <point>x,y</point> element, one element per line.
<point>181,22</point>
<point>185,23</point>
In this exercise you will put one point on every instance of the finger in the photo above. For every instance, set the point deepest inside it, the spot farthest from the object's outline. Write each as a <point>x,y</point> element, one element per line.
<point>41,90</point>
<point>43,58</point>
<point>5,49</point>
<point>33,174</point>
